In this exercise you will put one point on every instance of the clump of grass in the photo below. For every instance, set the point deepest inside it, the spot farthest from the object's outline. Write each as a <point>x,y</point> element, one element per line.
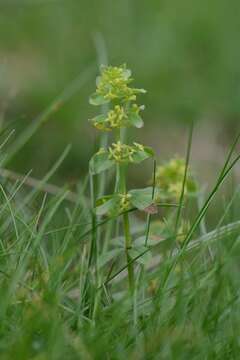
<point>63,275</point>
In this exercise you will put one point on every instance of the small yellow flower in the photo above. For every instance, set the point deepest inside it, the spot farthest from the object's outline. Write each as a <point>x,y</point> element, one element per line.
<point>120,152</point>
<point>139,146</point>
<point>101,151</point>
<point>124,153</point>
<point>170,176</point>
<point>113,83</point>
<point>175,189</point>
<point>125,202</point>
<point>117,117</point>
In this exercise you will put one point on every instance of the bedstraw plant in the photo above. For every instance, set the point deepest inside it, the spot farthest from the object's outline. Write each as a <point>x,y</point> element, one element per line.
<point>113,87</point>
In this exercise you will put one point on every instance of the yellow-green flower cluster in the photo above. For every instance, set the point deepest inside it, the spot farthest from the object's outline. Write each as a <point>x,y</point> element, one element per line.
<point>125,203</point>
<point>119,153</point>
<point>170,176</point>
<point>113,86</point>
<point>114,83</point>
<point>119,117</point>
<point>124,153</point>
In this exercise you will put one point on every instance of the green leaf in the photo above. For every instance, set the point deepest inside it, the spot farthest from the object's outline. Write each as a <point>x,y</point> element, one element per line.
<point>149,151</point>
<point>100,162</point>
<point>135,120</point>
<point>96,99</point>
<point>100,123</point>
<point>142,155</point>
<point>98,119</point>
<point>141,198</point>
<point>108,205</point>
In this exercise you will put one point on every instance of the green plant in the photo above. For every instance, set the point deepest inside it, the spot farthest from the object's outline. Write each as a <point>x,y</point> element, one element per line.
<point>113,88</point>
<point>175,182</point>
<point>169,179</point>
<point>186,297</point>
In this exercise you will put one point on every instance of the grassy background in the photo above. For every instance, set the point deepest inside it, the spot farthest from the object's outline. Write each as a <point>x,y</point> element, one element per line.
<point>56,304</point>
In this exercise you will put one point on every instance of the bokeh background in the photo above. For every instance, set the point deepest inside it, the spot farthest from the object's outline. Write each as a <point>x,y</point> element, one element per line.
<point>185,53</point>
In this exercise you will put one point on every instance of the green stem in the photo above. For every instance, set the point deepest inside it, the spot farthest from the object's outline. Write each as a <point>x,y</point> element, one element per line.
<point>126,225</point>
<point>128,246</point>
<point>93,256</point>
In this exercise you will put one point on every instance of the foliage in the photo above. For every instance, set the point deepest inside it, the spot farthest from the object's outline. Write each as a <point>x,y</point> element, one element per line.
<point>64,277</point>
<point>113,86</point>
<point>169,178</point>
<point>48,291</point>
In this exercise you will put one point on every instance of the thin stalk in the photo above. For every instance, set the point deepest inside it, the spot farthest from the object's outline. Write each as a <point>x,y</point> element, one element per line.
<point>126,226</point>
<point>128,246</point>
<point>101,180</point>
<point>102,57</point>
<point>93,249</point>
<point>153,193</point>
<point>93,254</point>
<point>181,200</point>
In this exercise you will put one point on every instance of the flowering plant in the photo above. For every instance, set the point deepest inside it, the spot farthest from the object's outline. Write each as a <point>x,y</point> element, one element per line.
<point>113,87</point>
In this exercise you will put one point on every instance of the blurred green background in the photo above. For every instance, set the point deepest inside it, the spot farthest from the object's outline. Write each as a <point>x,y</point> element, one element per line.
<point>185,53</point>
